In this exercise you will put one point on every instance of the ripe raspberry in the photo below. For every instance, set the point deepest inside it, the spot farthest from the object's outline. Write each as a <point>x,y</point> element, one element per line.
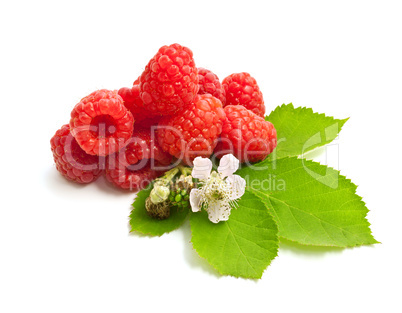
<point>170,80</point>
<point>135,166</point>
<point>149,122</point>
<point>143,145</point>
<point>242,89</point>
<point>137,81</point>
<point>131,177</point>
<point>209,83</point>
<point>71,161</point>
<point>246,135</point>
<point>133,102</point>
<point>100,123</point>
<point>193,131</point>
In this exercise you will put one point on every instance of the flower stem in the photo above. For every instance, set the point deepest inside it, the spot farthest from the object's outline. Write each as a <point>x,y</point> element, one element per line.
<point>170,174</point>
<point>185,170</point>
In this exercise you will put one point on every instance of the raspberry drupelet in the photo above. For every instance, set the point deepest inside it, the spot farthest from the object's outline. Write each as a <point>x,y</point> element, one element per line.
<point>101,123</point>
<point>71,161</point>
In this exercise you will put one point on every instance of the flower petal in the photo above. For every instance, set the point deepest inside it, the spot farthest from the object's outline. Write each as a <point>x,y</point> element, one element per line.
<point>228,165</point>
<point>195,199</point>
<point>218,211</point>
<point>237,185</point>
<point>202,168</point>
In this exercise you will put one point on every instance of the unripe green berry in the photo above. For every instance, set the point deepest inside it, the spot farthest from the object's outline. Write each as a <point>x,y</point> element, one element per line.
<point>178,198</point>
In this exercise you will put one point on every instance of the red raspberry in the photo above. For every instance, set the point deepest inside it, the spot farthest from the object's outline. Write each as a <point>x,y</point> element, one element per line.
<point>149,122</point>
<point>137,81</point>
<point>170,80</point>
<point>246,135</point>
<point>132,167</point>
<point>100,123</point>
<point>134,104</point>
<point>209,83</point>
<point>242,89</point>
<point>193,131</point>
<point>132,178</point>
<point>71,161</point>
<point>143,145</point>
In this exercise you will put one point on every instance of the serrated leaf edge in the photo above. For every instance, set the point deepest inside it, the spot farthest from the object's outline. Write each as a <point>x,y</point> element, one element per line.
<point>304,108</point>
<point>353,188</point>
<point>299,109</point>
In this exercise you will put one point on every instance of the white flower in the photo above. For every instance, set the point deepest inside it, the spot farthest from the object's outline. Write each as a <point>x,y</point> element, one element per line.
<point>219,190</point>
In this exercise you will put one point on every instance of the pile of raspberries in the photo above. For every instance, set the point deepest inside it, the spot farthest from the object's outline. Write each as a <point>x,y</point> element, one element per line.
<point>173,113</point>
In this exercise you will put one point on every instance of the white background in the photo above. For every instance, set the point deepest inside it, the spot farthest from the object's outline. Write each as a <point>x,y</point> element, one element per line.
<point>67,248</point>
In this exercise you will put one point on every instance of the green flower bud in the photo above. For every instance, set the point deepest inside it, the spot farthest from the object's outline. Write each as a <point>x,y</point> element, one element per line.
<point>159,194</point>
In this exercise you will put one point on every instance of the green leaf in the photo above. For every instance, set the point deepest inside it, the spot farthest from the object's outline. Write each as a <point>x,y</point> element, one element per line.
<point>244,245</point>
<point>301,130</point>
<point>311,203</point>
<point>140,221</point>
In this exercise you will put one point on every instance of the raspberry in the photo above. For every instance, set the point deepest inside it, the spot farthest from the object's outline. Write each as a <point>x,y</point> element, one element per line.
<point>149,122</point>
<point>170,80</point>
<point>137,81</point>
<point>209,83</point>
<point>246,135</point>
<point>133,102</point>
<point>132,168</point>
<point>193,131</point>
<point>144,146</point>
<point>71,161</point>
<point>131,177</point>
<point>100,123</point>
<point>242,89</point>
